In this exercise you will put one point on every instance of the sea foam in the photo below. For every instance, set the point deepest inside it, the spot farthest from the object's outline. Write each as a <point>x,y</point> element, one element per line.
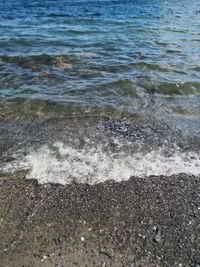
<point>65,164</point>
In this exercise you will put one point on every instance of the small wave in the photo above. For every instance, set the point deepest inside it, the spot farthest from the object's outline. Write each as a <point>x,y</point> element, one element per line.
<point>65,164</point>
<point>167,88</point>
<point>58,15</point>
<point>153,67</point>
<point>26,42</point>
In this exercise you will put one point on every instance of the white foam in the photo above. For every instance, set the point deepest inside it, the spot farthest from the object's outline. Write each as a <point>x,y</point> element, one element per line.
<point>64,164</point>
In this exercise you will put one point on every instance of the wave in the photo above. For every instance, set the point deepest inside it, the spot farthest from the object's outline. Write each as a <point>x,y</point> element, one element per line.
<point>65,164</point>
<point>37,60</point>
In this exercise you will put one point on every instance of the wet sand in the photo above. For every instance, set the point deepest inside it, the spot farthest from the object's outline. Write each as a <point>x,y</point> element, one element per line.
<point>139,222</point>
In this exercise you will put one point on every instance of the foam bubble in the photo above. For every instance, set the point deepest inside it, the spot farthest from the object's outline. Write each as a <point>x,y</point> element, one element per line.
<point>65,164</point>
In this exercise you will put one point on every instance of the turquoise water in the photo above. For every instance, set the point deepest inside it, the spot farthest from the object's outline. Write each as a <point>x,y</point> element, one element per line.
<point>130,57</point>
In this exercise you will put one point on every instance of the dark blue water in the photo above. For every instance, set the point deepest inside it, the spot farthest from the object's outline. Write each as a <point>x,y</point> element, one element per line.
<point>102,57</point>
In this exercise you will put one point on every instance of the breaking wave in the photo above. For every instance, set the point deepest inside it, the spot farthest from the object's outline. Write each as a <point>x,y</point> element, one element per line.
<point>65,164</point>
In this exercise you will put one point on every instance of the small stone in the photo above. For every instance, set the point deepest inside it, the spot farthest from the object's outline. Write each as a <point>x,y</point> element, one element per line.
<point>44,257</point>
<point>82,238</point>
<point>158,237</point>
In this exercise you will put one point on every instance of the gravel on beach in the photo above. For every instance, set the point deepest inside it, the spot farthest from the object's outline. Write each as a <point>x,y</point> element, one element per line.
<point>153,221</point>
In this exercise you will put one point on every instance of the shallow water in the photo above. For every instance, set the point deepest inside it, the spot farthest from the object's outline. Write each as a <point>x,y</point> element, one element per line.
<point>130,60</point>
<point>95,149</point>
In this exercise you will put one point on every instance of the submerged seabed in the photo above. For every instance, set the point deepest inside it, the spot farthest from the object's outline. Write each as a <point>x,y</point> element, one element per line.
<point>103,57</point>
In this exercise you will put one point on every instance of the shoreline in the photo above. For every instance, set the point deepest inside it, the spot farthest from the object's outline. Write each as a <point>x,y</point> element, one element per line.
<point>150,221</point>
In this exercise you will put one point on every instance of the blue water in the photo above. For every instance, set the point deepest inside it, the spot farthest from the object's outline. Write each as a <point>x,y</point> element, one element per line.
<point>137,57</point>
